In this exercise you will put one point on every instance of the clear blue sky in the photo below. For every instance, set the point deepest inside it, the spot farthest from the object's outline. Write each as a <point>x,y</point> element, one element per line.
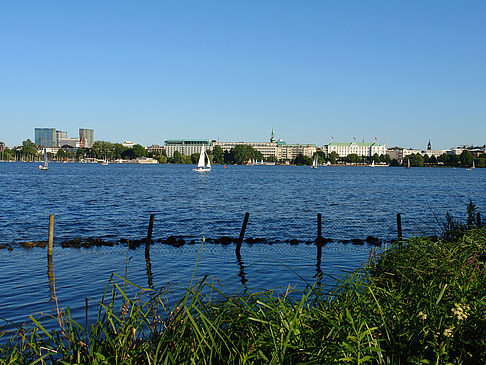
<point>147,71</point>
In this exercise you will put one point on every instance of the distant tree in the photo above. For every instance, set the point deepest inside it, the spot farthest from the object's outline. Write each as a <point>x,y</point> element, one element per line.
<point>426,158</point>
<point>466,158</point>
<point>195,157</point>
<point>177,157</point>
<point>271,159</point>
<point>376,158</point>
<point>7,154</point>
<point>241,153</point>
<point>61,154</point>
<point>118,150</point>
<point>433,160</point>
<point>161,158</point>
<point>394,162</point>
<point>481,162</point>
<point>352,158</point>
<point>139,151</point>
<point>302,160</point>
<point>333,156</point>
<point>218,154</point>
<point>29,148</point>
<point>416,160</point>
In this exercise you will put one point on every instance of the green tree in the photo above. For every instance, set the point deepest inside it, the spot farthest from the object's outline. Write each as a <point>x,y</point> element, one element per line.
<point>178,157</point>
<point>271,159</point>
<point>303,160</point>
<point>352,158</point>
<point>333,156</point>
<point>466,158</point>
<point>61,154</point>
<point>416,160</point>
<point>481,162</point>
<point>118,150</point>
<point>139,151</point>
<point>28,148</point>
<point>195,157</point>
<point>218,155</point>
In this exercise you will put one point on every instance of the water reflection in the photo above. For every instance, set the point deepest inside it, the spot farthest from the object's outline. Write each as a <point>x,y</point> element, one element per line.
<point>242,273</point>
<point>51,278</point>
<point>318,263</point>
<point>149,270</point>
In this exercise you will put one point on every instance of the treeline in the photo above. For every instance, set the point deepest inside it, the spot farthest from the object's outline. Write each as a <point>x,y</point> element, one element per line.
<point>465,159</point>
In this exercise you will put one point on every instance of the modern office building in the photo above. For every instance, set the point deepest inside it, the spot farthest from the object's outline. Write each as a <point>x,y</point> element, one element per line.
<point>69,143</point>
<point>399,153</point>
<point>45,137</point>
<point>360,149</point>
<point>86,138</point>
<point>186,146</point>
<point>60,135</point>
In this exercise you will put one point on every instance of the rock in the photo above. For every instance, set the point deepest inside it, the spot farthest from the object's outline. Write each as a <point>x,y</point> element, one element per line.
<point>373,240</point>
<point>357,241</point>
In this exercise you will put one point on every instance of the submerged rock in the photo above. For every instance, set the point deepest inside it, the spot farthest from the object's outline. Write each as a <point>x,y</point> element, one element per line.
<point>373,240</point>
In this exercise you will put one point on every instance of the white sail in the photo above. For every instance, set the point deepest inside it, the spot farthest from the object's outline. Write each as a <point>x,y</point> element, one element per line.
<point>200,164</point>
<point>44,167</point>
<point>209,163</point>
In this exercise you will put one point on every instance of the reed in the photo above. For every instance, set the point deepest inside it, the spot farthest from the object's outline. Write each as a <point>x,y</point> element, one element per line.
<point>421,302</point>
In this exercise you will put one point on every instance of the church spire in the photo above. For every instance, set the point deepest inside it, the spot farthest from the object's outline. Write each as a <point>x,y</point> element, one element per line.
<point>272,139</point>
<point>429,146</point>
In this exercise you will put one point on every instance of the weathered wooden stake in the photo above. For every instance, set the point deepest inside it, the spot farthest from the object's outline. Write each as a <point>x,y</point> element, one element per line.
<point>319,226</point>
<point>478,219</point>
<point>51,235</point>
<point>399,227</point>
<point>149,233</point>
<point>242,233</point>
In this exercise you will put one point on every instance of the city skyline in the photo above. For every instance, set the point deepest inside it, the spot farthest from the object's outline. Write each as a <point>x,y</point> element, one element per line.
<point>401,72</point>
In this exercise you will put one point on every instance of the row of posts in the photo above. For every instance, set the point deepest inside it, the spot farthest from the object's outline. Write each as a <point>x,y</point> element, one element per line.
<point>319,240</point>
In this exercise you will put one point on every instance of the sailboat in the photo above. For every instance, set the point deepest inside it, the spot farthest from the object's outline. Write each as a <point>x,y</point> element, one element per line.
<point>44,166</point>
<point>314,163</point>
<point>201,165</point>
<point>408,163</point>
<point>105,161</point>
<point>472,167</point>
<point>372,163</point>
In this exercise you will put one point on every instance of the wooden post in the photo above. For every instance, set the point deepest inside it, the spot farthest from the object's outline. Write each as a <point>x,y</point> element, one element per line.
<point>478,219</point>
<point>242,233</point>
<point>51,235</point>
<point>319,226</point>
<point>149,233</point>
<point>399,227</point>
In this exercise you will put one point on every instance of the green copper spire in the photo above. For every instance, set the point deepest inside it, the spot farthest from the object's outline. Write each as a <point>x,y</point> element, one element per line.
<point>272,139</point>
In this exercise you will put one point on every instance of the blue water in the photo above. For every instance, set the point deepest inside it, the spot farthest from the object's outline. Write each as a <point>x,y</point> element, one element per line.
<point>115,201</point>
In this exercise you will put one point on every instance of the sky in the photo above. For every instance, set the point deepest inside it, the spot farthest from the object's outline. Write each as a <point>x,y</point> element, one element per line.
<point>402,72</point>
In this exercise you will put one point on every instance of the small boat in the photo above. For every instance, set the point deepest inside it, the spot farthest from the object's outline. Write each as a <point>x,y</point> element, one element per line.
<point>372,163</point>
<point>408,163</point>
<point>105,161</point>
<point>315,163</point>
<point>44,166</point>
<point>202,166</point>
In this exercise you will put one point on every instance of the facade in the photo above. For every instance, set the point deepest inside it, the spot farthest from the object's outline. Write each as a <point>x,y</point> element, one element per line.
<point>186,146</point>
<point>86,138</point>
<point>399,153</point>
<point>128,144</point>
<point>267,149</point>
<point>291,151</point>
<point>361,149</point>
<point>60,135</point>
<point>69,143</point>
<point>155,148</point>
<point>45,137</point>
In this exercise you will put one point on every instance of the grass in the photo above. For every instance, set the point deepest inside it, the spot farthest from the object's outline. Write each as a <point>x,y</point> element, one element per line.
<point>422,302</point>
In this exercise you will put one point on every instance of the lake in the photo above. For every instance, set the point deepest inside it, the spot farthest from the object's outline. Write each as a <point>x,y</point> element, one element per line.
<point>115,201</point>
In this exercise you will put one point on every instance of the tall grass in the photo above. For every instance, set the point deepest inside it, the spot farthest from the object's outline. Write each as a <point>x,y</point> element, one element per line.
<point>422,302</point>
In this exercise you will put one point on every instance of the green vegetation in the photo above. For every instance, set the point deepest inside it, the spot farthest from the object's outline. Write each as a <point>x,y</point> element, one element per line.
<point>422,301</point>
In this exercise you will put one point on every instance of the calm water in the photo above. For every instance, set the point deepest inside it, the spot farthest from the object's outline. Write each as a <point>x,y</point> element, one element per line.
<point>113,202</point>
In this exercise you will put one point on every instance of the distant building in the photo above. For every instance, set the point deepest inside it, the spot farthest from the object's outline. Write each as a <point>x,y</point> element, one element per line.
<point>60,135</point>
<point>267,149</point>
<point>155,148</point>
<point>399,153</point>
<point>186,146</point>
<point>45,137</point>
<point>86,138</point>
<point>69,143</point>
<point>360,149</point>
<point>128,144</point>
<point>2,146</point>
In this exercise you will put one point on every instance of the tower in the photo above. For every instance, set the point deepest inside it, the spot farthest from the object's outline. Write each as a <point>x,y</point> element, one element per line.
<point>429,146</point>
<point>272,138</point>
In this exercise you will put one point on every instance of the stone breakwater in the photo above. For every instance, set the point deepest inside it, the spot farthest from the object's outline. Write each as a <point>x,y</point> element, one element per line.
<point>178,241</point>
